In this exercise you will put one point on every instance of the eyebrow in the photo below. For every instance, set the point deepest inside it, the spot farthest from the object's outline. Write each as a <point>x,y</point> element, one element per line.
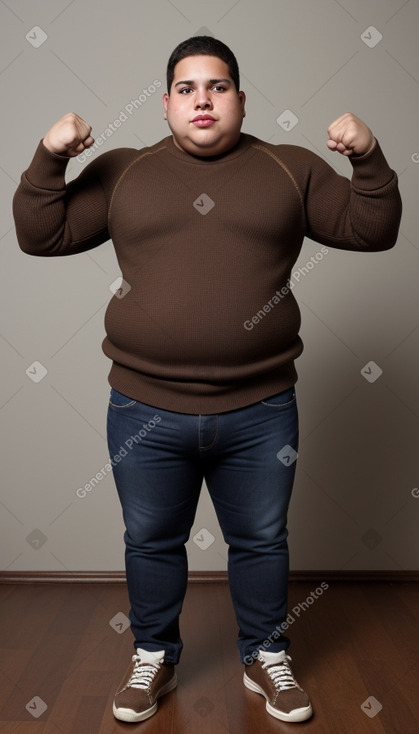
<point>190,82</point>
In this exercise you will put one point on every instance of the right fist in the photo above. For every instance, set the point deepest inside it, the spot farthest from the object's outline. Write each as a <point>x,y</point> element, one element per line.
<point>69,136</point>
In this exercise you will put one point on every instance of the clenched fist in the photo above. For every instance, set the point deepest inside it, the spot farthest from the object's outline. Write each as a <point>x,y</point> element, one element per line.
<point>348,135</point>
<point>69,136</point>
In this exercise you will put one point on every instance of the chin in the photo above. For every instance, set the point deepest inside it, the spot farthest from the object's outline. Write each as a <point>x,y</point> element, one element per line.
<point>209,148</point>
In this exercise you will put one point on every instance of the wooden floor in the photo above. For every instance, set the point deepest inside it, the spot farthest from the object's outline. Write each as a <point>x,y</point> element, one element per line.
<point>354,649</point>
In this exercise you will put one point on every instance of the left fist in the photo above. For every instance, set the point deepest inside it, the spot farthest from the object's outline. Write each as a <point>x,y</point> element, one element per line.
<point>348,135</point>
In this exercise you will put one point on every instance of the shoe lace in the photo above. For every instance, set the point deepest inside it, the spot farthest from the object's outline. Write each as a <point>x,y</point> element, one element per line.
<point>281,675</point>
<point>143,673</point>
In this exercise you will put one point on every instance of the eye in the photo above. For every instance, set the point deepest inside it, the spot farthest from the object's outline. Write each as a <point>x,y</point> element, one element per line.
<point>219,88</point>
<point>185,90</point>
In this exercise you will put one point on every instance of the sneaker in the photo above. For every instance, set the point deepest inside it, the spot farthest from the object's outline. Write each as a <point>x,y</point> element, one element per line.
<point>147,678</point>
<point>271,676</point>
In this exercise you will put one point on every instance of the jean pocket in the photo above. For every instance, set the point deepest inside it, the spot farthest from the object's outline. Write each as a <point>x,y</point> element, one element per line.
<point>118,400</point>
<point>281,399</point>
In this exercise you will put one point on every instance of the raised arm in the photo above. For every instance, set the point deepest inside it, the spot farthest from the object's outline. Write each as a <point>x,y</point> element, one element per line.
<point>54,218</point>
<point>358,214</point>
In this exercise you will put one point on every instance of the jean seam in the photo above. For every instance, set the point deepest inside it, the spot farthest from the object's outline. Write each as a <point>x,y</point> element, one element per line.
<point>213,442</point>
<point>278,405</point>
<point>122,407</point>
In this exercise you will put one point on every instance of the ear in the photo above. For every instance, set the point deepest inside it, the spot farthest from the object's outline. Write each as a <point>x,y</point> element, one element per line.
<point>165,104</point>
<point>242,99</point>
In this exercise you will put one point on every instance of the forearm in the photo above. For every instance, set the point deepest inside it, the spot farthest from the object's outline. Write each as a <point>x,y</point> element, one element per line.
<point>358,214</point>
<point>53,218</point>
<point>375,205</point>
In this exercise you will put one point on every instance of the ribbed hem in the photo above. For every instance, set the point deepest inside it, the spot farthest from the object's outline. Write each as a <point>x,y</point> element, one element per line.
<point>196,398</point>
<point>47,167</point>
<point>371,170</point>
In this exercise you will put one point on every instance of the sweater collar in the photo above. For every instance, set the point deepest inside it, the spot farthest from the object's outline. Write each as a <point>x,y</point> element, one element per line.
<point>241,146</point>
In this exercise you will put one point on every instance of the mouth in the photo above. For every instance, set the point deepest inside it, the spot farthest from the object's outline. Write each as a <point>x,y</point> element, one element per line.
<point>203,121</point>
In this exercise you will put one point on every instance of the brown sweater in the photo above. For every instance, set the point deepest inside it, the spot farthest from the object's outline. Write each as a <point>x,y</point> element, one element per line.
<point>205,245</point>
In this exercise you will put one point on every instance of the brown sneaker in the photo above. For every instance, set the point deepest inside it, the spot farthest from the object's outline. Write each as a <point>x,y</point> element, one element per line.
<point>271,676</point>
<point>147,678</point>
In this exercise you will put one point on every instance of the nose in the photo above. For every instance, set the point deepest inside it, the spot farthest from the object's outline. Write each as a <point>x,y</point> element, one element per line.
<point>203,99</point>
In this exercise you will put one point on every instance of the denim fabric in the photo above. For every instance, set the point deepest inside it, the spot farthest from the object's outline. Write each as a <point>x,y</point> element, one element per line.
<point>247,458</point>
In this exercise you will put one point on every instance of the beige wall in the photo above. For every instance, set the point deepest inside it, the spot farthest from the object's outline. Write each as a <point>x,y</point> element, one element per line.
<point>355,504</point>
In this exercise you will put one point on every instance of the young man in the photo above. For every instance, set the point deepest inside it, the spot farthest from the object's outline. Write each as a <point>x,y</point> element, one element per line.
<point>207,225</point>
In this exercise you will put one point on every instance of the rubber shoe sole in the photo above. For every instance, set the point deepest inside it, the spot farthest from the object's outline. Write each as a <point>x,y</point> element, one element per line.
<point>300,714</point>
<point>133,716</point>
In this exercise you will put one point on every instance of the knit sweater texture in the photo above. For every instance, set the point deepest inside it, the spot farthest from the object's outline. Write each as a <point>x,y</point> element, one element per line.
<point>206,321</point>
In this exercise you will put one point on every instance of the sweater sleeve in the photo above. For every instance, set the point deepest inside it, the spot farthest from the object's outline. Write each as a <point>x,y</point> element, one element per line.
<point>54,218</point>
<point>359,214</point>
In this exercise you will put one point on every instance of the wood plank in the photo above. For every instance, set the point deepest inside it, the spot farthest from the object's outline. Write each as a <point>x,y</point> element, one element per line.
<point>352,642</point>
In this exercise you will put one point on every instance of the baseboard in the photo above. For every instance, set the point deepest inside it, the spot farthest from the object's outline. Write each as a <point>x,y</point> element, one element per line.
<point>208,577</point>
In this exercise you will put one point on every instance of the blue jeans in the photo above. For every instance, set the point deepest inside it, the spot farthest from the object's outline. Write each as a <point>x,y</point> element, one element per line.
<point>159,461</point>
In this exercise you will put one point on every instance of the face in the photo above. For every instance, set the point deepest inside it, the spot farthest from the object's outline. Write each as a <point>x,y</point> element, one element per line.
<point>204,110</point>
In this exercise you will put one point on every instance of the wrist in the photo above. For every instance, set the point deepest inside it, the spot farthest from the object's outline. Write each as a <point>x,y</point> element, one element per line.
<point>368,150</point>
<point>48,146</point>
